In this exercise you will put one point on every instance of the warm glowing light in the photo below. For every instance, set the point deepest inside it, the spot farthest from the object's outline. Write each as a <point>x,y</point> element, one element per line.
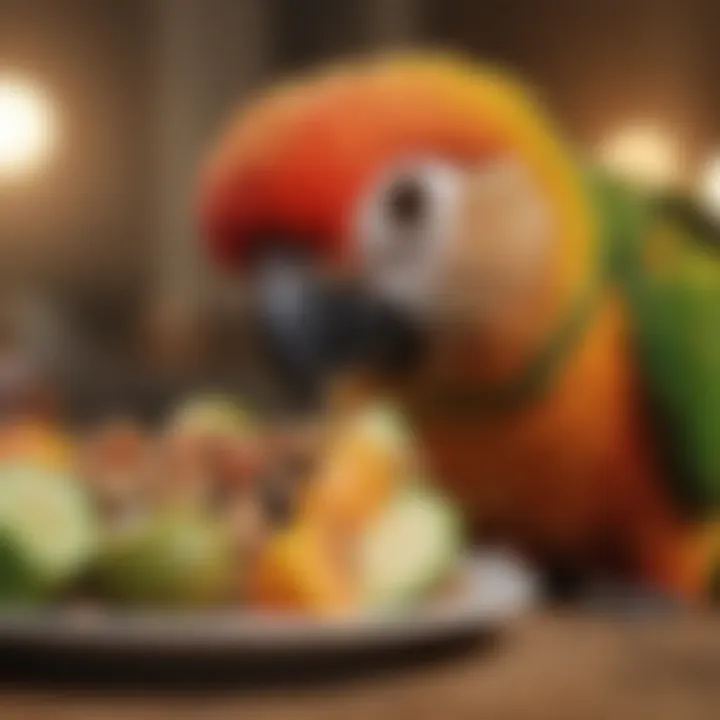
<point>26,127</point>
<point>710,186</point>
<point>643,153</point>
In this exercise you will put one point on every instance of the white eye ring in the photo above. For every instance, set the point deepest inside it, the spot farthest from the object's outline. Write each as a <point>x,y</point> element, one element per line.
<point>403,227</point>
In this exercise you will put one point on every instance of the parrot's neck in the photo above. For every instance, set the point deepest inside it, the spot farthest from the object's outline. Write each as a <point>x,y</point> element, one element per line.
<point>466,379</point>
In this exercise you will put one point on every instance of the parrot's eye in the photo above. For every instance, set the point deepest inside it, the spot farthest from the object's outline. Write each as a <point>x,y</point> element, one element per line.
<point>402,228</point>
<point>406,201</point>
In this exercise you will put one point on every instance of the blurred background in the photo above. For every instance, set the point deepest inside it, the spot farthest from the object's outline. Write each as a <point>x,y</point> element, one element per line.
<point>106,109</point>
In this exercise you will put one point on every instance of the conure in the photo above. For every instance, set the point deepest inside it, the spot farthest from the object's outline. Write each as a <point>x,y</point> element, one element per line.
<point>553,335</point>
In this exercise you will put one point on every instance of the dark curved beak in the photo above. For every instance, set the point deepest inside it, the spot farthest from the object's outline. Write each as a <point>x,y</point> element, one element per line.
<point>313,329</point>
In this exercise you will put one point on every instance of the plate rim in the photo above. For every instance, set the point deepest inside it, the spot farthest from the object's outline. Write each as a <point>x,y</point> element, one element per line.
<point>498,588</point>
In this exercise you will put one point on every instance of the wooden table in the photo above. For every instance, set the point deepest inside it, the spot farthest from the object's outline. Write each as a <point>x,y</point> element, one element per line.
<point>548,667</point>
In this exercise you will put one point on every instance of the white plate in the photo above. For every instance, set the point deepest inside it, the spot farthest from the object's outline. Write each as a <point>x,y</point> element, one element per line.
<point>495,589</point>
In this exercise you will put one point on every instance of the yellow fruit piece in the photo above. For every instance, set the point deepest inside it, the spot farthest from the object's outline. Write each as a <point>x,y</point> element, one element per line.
<point>352,485</point>
<point>37,443</point>
<point>363,468</point>
<point>302,569</point>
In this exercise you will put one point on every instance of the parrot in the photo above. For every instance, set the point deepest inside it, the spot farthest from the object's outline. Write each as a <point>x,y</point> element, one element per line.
<point>551,332</point>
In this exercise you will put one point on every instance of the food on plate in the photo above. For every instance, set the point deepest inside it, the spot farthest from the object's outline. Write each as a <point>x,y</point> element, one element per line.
<point>410,548</point>
<point>369,458</point>
<point>114,463</point>
<point>171,559</point>
<point>36,441</point>
<point>368,533</point>
<point>212,509</point>
<point>304,569</point>
<point>212,415</point>
<point>48,534</point>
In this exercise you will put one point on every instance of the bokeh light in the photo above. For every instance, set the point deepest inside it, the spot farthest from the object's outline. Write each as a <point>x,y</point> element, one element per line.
<point>643,153</point>
<point>27,127</point>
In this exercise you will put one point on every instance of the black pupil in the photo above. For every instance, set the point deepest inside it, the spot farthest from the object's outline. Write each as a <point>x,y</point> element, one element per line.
<point>406,201</point>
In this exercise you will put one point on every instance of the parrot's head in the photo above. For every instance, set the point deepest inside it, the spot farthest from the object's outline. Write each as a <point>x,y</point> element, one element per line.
<point>390,210</point>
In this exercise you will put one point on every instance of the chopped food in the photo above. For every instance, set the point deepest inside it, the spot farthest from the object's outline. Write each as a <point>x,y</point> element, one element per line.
<point>368,460</point>
<point>302,570</point>
<point>48,533</point>
<point>115,463</point>
<point>215,508</point>
<point>212,415</point>
<point>174,559</point>
<point>412,547</point>
<point>36,442</point>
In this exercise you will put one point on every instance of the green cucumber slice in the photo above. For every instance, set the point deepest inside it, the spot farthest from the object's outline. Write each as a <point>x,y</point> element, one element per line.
<point>172,559</point>
<point>48,532</point>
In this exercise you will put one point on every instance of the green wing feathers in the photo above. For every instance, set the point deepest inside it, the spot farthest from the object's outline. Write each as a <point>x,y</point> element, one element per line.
<point>664,255</point>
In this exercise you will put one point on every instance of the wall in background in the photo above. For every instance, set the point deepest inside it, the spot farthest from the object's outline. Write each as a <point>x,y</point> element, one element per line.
<point>599,63</point>
<point>142,85</point>
<point>85,220</point>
